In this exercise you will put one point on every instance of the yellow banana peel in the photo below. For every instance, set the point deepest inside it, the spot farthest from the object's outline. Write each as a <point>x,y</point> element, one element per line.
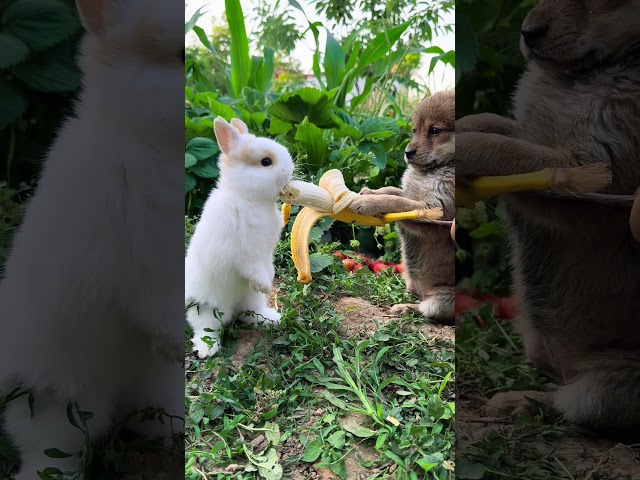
<point>588,178</point>
<point>331,198</point>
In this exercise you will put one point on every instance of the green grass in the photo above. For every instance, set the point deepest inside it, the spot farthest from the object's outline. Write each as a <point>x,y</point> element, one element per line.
<point>306,396</point>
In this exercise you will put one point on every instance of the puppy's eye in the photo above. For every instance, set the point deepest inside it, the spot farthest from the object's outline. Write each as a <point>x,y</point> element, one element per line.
<point>182,55</point>
<point>433,131</point>
<point>266,162</point>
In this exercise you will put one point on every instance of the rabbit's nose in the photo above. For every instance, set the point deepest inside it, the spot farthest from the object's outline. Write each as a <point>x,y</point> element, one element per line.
<point>534,35</point>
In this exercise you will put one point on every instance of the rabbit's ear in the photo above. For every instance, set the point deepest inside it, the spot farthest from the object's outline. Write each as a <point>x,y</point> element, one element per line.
<point>93,13</point>
<point>226,135</point>
<point>240,126</point>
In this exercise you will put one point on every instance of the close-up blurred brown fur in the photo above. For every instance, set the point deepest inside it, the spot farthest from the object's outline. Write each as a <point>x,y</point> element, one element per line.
<point>576,266</point>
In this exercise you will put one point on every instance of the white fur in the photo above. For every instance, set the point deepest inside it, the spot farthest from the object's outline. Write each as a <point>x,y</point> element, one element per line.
<point>229,262</point>
<point>88,292</point>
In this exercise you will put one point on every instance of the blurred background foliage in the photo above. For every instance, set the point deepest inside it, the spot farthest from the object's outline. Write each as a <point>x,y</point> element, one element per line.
<point>488,66</point>
<point>39,80</point>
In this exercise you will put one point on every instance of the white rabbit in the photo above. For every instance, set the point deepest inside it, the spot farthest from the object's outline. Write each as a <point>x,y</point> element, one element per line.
<point>229,262</point>
<point>94,278</point>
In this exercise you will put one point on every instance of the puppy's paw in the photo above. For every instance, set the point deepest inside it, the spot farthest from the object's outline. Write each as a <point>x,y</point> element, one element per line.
<point>504,404</point>
<point>403,309</point>
<point>364,206</point>
<point>483,122</point>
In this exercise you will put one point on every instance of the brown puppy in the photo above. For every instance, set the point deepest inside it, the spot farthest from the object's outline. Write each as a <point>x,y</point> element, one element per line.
<point>428,251</point>
<point>576,264</point>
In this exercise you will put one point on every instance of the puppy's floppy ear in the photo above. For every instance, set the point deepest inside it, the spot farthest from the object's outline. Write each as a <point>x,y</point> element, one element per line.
<point>95,13</point>
<point>240,126</point>
<point>226,135</point>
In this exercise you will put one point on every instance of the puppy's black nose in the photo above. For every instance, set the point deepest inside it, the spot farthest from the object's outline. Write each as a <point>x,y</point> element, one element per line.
<point>534,35</point>
<point>410,154</point>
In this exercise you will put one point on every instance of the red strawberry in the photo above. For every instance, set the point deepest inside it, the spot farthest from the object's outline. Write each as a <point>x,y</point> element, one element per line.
<point>358,266</point>
<point>465,302</point>
<point>349,264</point>
<point>379,267</point>
<point>339,255</point>
<point>507,308</point>
<point>373,264</point>
<point>399,268</point>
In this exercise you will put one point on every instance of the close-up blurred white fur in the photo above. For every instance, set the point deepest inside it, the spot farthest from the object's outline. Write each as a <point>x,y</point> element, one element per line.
<point>89,296</point>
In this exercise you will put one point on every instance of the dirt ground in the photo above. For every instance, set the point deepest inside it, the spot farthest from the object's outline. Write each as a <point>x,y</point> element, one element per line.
<point>588,458</point>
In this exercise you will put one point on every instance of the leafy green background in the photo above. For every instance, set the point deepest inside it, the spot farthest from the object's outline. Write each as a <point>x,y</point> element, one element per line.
<point>489,64</point>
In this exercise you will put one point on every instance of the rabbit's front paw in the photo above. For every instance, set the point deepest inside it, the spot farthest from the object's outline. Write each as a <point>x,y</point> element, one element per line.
<point>367,191</point>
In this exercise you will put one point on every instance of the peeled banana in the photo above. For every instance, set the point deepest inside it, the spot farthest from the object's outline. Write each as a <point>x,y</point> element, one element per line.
<point>331,198</point>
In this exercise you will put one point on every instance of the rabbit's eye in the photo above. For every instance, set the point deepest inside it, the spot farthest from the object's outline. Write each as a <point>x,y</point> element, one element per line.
<point>182,55</point>
<point>266,162</point>
<point>434,131</point>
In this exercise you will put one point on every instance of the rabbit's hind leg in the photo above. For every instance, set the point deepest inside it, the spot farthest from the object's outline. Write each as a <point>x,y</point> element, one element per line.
<point>255,310</point>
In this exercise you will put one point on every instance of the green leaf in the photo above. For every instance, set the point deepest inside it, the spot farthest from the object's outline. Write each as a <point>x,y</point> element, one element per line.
<point>306,102</point>
<point>380,155</point>
<point>198,127</point>
<point>205,41</point>
<point>435,407</point>
<point>278,127</point>
<point>339,468</point>
<point>312,451</point>
<point>360,431</point>
<point>219,108</point>
<point>255,78</point>
<point>193,20</point>
<point>269,67</point>
<point>239,51</point>
<point>353,56</point>
<point>320,261</point>
<point>348,127</point>
<point>207,169</point>
<point>378,47</point>
<point>189,182</point>
<point>12,50</point>
<point>335,400</point>
<point>368,86</point>
<point>14,102</point>
<point>486,230</point>
<point>337,439</point>
<point>466,44</point>
<point>189,160</point>
<point>378,128</point>
<point>448,58</point>
<point>55,453</point>
<point>469,471</point>
<point>333,62</point>
<point>313,143</point>
<point>434,49</point>
<point>272,433</point>
<point>40,23</point>
<point>50,72</point>
<point>202,148</point>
